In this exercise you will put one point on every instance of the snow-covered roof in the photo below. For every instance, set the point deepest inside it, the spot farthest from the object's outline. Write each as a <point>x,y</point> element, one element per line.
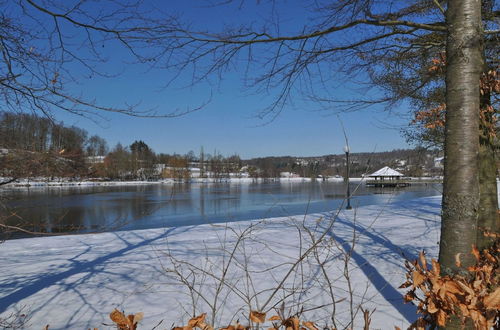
<point>386,171</point>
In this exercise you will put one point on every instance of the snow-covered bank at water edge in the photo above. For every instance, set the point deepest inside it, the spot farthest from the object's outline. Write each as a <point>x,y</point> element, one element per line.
<point>25,183</point>
<point>76,281</point>
<point>65,182</point>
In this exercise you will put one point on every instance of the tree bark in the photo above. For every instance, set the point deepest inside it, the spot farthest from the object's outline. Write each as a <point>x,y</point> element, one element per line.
<point>461,173</point>
<point>488,203</point>
<point>460,207</point>
<point>488,197</point>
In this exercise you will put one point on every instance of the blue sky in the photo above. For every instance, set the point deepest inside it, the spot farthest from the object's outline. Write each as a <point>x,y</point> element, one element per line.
<point>228,123</point>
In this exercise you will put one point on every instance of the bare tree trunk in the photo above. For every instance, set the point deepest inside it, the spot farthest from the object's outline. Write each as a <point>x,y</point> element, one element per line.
<point>488,197</point>
<point>461,164</point>
<point>461,182</point>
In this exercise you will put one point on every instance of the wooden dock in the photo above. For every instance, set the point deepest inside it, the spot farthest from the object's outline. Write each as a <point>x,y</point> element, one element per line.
<point>400,182</point>
<point>388,183</point>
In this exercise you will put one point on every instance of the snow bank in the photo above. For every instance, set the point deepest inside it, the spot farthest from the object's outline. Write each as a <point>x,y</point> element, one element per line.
<point>231,180</point>
<point>64,182</point>
<point>342,179</point>
<point>75,281</point>
<point>25,183</point>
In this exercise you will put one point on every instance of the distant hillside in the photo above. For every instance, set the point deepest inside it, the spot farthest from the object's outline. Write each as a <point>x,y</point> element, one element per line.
<point>413,162</point>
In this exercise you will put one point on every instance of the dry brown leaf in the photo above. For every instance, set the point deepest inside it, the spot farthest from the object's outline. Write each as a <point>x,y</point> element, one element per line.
<point>491,234</point>
<point>475,252</point>
<point>458,263</point>
<point>489,256</point>
<point>138,317</point>
<point>409,296</point>
<point>198,321</point>
<point>228,328</point>
<point>418,278</point>
<point>441,318</point>
<point>432,307</point>
<point>421,324</point>
<point>436,268</point>
<point>423,261</point>
<point>478,319</point>
<point>241,327</point>
<point>119,318</point>
<point>131,323</point>
<point>465,288</point>
<point>492,301</point>
<point>237,326</point>
<point>453,287</point>
<point>309,325</point>
<point>274,318</point>
<point>477,284</point>
<point>257,317</point>
<point>464,310</point>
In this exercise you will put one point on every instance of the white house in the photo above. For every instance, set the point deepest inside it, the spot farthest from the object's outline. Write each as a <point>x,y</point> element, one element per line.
<point>95,159</point>
<point>439,162</point>
<point>288,175</point>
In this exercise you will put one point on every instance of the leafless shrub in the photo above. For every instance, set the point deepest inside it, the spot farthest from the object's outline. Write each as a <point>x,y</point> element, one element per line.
<point>311,279</point>
<point>15,320</point>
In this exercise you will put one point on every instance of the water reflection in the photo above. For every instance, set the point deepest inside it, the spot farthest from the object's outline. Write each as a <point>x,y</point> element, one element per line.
<point>86,209</point>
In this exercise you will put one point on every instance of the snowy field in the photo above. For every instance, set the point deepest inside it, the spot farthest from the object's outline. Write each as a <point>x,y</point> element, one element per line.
<point>306,262</point>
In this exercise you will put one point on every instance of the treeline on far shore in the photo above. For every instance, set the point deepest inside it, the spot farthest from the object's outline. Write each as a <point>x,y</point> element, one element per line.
<point>34,146</point>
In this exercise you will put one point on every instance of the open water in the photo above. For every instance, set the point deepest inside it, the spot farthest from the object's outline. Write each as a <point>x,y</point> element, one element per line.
<point>105,208</point>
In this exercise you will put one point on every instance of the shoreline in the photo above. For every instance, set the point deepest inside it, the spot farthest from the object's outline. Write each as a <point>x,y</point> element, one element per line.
<point>24,183</point>
<point>44,183</point>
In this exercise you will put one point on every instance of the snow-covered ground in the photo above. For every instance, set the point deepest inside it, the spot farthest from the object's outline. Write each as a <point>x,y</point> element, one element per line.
<point>73,282</point>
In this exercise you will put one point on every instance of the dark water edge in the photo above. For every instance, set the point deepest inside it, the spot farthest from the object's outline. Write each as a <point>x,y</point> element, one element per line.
<point>58,210</point>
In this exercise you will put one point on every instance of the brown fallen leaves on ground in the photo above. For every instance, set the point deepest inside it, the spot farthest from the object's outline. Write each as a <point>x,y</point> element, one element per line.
<point>125,322</point>
<point>258,319</point>
<point>474,297</point>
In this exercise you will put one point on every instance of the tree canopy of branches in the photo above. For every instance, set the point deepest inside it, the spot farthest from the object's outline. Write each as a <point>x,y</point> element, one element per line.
<point>48,48</point>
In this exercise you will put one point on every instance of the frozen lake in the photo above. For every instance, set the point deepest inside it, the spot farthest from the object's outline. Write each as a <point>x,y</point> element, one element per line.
<point>86,209</point>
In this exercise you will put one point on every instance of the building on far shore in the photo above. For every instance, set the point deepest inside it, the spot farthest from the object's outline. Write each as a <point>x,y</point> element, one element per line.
<point>387,177</point>
<point>95,159</point>
<point>439,162</point>
<point>288,175</point>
